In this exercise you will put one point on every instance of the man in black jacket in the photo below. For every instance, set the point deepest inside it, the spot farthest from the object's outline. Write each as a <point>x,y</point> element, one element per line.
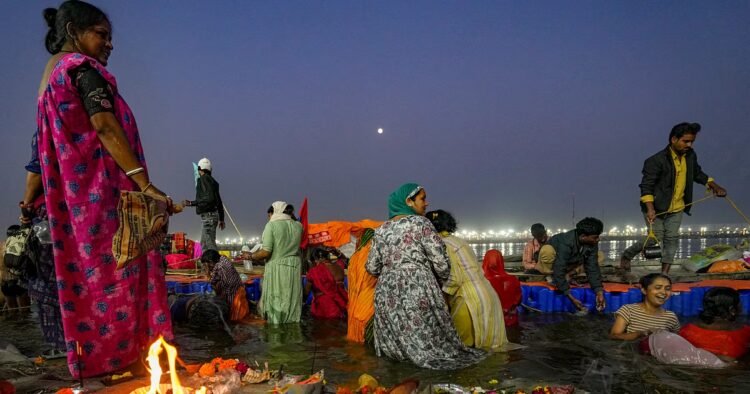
<point>567,251</point>
<point>667,191</point>
<point>208,205</point>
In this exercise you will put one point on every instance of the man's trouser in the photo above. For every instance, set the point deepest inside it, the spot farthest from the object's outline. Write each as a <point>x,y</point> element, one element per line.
<point>208,232</point>
<point>667,230</point>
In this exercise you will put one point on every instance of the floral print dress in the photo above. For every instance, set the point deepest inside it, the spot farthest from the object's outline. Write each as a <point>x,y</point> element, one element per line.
<point>412,321</point>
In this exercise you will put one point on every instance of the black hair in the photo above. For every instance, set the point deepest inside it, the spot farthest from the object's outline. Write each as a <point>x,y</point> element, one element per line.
<point>79,14</point>
<point>210,256</point>
<point>683,128</point>
<point>442,220</point>
<point>647,280</point>
<point>319,254</point>
<point>208,312</point>
<point>722,303</point>
<point>289,210</point>
<point>538,229</point>
<point>590,226</point>
<point>12,229</point>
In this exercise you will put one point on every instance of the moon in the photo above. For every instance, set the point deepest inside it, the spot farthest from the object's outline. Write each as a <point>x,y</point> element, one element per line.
<point>380,131</point>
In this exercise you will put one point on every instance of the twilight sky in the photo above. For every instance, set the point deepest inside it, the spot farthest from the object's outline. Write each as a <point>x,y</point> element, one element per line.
<point>502,110</point>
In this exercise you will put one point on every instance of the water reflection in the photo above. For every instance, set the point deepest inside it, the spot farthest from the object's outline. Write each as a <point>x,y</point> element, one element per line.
<point>556,353</point>
<point>612,248</point>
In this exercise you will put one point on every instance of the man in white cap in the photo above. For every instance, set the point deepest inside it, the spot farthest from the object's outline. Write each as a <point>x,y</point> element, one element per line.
<point>208,205</point>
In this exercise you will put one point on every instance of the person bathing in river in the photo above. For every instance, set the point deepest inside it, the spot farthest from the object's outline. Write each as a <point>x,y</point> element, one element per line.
<point>475,307</point>
<point>717,329</point>
<point>715,340</point>
<point>226,282</point>
<point>635,321</point>
<point>326,281</point>
<point>565,252</point>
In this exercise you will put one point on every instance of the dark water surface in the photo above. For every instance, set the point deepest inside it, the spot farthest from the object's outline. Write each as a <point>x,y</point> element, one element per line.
<point>613,248</point>
<point>561,349</point>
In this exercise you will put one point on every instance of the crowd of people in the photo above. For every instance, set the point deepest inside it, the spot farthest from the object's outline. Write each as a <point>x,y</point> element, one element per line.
<point>416,291</point>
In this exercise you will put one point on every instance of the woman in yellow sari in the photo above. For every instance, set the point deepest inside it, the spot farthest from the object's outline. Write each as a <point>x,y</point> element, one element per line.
<point>475,307</point>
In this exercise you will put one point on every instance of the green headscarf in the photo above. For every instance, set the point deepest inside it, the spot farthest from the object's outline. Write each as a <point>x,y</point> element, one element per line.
<point>397,200</point>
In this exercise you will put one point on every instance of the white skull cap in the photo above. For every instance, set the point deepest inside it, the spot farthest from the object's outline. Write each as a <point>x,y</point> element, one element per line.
<point>204,164</point>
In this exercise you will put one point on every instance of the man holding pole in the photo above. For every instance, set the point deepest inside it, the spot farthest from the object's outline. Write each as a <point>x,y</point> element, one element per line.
<point>208,205</point>
<point>667,192</point>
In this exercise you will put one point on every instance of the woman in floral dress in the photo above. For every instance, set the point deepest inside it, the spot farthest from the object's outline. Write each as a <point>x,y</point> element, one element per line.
<point>412,321</point>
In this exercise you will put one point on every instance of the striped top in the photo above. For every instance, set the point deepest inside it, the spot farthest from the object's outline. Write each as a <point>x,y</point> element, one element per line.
<point>637,319</point>
<point>467,281</point>
<point>225,279</point>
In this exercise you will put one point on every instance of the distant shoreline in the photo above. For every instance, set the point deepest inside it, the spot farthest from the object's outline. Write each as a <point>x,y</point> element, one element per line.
<point>605,238</point>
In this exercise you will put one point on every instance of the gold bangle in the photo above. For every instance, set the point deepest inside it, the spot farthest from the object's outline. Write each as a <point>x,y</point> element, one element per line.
<point>147,187</point>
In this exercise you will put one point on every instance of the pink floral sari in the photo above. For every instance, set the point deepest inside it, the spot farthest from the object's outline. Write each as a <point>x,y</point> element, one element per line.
<point>110,314</point>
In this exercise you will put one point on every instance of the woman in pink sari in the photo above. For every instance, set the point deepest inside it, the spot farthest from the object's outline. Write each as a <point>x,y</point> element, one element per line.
<point>89,151</point>
<point>326,281</point>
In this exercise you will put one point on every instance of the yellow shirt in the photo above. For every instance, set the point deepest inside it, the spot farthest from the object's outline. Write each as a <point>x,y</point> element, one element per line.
<point>680,180</point>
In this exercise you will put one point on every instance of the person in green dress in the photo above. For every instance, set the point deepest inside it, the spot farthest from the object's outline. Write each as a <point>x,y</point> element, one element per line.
<point>281,289</point>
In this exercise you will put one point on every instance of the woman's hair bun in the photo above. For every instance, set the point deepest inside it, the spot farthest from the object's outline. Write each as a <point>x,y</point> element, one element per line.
<point>50,15</point>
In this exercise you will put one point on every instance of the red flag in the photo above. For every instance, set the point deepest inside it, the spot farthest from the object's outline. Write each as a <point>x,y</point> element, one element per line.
<point>303,219</point>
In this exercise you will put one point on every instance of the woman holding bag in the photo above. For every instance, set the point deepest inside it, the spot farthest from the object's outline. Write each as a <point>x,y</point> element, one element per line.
<point>89,151</point>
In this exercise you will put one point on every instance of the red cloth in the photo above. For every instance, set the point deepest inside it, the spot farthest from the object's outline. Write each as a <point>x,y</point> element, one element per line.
<point>303,220</point>
<point>507,286</point>
<point>330,299</point>
<point>179,261</point>
<point>728,343</point>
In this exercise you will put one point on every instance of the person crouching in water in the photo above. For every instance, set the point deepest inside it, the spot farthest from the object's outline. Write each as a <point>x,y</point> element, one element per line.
<point>226,283</point>
<point>475,307</point>
<point>567,251</point>
<point>326,281</point>
<point>639,320</point>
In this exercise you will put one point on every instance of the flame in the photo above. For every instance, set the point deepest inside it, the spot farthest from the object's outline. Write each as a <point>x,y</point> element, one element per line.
<point>153,362</point>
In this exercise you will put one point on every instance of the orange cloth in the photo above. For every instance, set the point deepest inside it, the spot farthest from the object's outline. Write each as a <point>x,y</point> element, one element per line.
<point>728,343</point>
<point>728,266</point>
<point>240,309</point>
<point>336,234</point>
<point>361,295</point>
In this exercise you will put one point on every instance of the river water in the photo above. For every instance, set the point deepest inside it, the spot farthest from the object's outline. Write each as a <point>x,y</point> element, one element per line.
<point>613,248</point>
<point>561,349</point>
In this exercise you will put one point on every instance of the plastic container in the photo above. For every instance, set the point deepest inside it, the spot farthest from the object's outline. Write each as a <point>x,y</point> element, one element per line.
<point>745,301</point>
<point>676,301</point>
<point>546,302</point>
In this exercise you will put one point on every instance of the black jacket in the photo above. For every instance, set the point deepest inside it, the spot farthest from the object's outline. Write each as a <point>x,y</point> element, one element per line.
<point>659,179</point>
<point>569,254</point>
<point>207,197</point>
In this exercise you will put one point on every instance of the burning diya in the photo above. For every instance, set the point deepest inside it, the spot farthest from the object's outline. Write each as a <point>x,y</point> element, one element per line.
<point>156,372</point>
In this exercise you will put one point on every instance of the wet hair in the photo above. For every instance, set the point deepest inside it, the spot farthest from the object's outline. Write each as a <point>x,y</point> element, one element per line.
<point>647,280</point>
<point>79,14</point>
<point>442,220</point>
<point>721,303</point>
<point>590,226</point>
<point>537,229</point>
<point>208,312</point>
<point>210,256</point>
<point>12,229</point>
<point>683,128</point>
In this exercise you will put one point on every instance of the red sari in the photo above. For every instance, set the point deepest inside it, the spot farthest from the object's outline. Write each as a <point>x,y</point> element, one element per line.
<point>507,286</point>
<point>330,298</point>
<point>724,342</point>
